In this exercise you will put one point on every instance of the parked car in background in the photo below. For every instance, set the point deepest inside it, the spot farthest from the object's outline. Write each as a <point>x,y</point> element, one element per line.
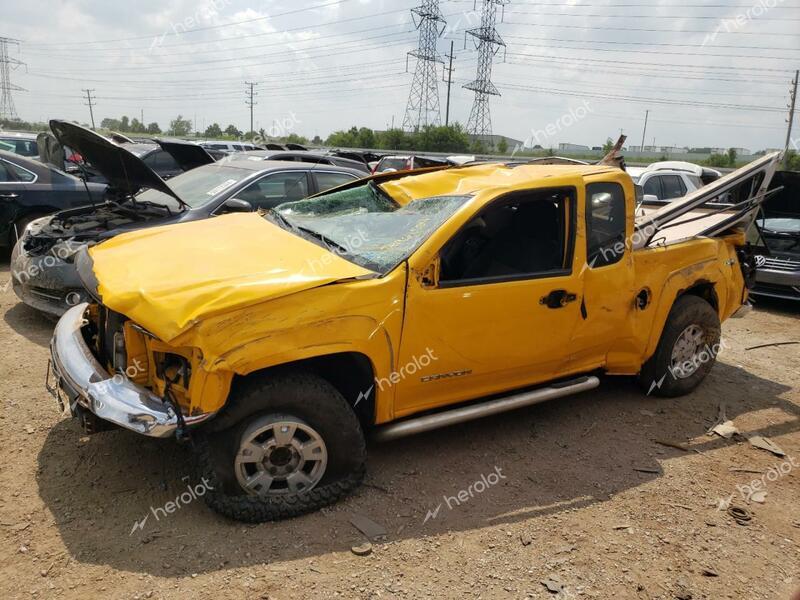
<point>30,189</point>
<point>776,234</point>
<point>664,185</point>
<point>306,157</point>
<point>229,147</point>
<point>20,143</point>
<point>407,163</point>
<point>706,174</point>
<point>43,273</point>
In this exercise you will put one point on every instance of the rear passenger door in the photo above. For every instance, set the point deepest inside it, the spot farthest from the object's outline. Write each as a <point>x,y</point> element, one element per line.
<point>608,276</point>
<point>673,187</point>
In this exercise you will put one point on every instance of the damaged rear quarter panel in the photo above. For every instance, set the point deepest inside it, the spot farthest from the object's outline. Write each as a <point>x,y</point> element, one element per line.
<point>363,316</point>
<point>670,271</point>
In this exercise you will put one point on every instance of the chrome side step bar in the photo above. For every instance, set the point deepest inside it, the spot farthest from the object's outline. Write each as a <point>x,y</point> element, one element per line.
<point>492,407</point>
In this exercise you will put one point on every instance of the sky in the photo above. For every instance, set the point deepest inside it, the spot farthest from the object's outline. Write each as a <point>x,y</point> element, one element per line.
<point>710,72</point>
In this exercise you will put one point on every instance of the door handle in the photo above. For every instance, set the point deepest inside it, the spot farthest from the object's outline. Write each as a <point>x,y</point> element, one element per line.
<point>558,299</point>
<point>9,195</point>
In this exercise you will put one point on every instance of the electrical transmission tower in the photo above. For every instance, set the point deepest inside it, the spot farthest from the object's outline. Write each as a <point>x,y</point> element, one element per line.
<point>488,42</point>
<point>7,109</point>
<point>423,100</point>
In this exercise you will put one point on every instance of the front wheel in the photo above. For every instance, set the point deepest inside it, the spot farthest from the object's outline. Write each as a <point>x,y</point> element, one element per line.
<point>294,447</point>
<point>686,351</point>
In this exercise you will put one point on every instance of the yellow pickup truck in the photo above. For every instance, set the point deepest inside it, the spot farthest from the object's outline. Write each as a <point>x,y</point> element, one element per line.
<point>400,303</point>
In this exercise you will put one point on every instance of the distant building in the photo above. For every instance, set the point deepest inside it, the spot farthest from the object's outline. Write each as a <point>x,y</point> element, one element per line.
<point>573,148</point>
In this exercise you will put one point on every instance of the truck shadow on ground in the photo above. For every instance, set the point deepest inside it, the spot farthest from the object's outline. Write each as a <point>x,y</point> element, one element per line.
<point>562,455</point>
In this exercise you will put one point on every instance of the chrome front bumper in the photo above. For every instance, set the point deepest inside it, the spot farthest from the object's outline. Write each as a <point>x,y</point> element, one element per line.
<point>116,399</point>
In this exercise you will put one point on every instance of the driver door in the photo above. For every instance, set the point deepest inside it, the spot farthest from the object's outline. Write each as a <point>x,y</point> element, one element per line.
<point>504,308</point>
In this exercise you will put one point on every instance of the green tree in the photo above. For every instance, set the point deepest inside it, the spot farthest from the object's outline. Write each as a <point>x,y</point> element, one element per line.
<point>317,141</point>
<point>732,157</point>
<point>153,128</point>
<point>180,126</point>
<point>717,160</point>
<point>294,138</point>
<point>124,124</point>
<point>231,131</point>
<point>112,124</point>
<point>441,139</point>
<point>136,126</point>
<point>502,146</point>
<point>213,131</point>
<point>608,146</point>
<point>392,139</point>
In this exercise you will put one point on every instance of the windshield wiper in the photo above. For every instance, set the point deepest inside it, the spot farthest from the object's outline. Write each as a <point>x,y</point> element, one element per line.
<point>279,217</point>
<point>331,244</point>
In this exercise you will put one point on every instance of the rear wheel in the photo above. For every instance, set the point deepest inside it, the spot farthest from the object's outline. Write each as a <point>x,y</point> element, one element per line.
<point>686,351</point>
<point>294,445</point>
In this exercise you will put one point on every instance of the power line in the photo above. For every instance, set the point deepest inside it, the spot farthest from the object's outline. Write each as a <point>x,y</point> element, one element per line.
<point>422,108</point>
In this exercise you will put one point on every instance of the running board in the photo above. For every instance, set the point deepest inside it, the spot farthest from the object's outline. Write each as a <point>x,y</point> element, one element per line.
<point>492,407</point>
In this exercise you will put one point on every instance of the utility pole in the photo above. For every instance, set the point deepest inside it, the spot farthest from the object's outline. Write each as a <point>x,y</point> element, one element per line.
<point>644,133</point>
<point>791,120</point>
<point>449,83</point>
<point>141,116</point>
<point>90,103</point>
<point>250,102</point>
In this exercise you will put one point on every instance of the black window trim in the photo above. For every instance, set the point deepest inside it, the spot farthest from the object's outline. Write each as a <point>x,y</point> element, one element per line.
<point>586,219</point>
<point>313,172</point>
<point>569,254</point>
<point>17,180</point>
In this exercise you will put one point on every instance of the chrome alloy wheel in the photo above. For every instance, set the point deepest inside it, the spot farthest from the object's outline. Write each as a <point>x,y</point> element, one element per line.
<point>686,350</point>
<point>280,455</point>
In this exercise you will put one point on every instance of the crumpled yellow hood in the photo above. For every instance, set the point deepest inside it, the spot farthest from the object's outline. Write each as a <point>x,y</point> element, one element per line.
<point>167,278</point>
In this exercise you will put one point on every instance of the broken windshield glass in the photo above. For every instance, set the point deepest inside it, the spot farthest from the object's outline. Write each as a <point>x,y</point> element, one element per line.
<point>367,226</point>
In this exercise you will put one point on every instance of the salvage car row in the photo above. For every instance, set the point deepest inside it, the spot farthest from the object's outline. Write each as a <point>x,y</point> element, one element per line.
<point>272,309</point>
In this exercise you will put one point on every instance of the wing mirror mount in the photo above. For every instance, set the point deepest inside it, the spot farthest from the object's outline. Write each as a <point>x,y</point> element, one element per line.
<point>235,205</point>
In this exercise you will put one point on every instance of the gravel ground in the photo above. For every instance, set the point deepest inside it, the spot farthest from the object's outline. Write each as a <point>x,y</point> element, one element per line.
<point>576,493</point>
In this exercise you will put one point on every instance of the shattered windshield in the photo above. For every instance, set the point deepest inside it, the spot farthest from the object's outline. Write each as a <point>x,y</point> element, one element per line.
<point>198,186</point>
<point>366,226</point>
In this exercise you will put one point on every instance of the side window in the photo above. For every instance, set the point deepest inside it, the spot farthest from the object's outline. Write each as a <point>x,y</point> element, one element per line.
<point>19,173</point>
<point>522,236</point>
<point>166,163</point>
<point>275,189</point>
<point>605,223</point>
<point>326,181</point>
<point>673,187</point>
<point>5,174</point>
<point>653,187</point>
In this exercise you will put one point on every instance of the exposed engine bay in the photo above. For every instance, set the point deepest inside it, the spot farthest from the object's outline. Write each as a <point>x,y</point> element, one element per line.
<point>88,224</point>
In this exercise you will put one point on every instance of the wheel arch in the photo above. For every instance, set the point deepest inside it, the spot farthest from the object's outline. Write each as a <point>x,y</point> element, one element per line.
<point>351,373</point>
<point>701,288</point>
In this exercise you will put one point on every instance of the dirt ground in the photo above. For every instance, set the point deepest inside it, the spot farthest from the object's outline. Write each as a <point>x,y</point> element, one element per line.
<point>576,491</point>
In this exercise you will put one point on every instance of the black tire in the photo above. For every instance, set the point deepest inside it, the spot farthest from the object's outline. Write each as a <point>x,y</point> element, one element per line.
<point>18,226</point>
<point>659,375</point>
<point>308,399</point>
